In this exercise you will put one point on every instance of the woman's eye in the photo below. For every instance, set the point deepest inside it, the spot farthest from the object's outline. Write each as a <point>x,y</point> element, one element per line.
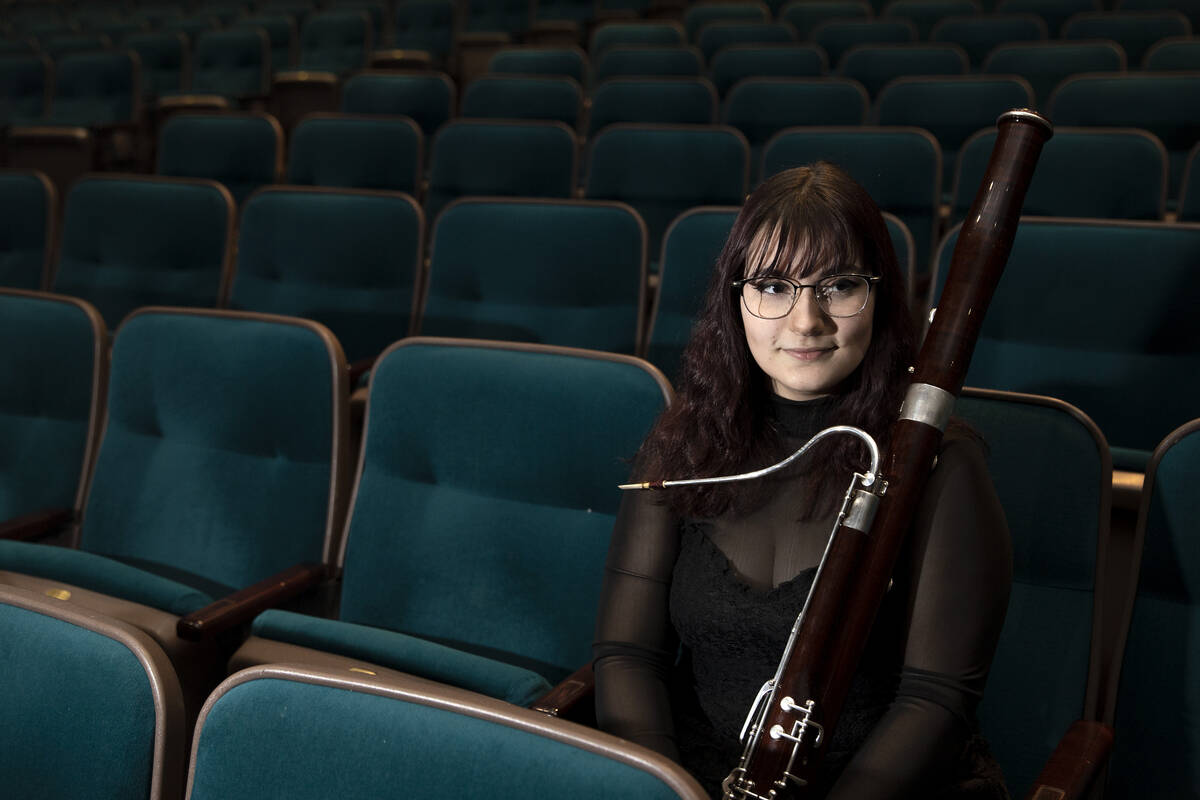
<point>840,285</point>
<point>775,287</point>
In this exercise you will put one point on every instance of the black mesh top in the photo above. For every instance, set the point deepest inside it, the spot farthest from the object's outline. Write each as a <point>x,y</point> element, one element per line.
<point>695,615</point>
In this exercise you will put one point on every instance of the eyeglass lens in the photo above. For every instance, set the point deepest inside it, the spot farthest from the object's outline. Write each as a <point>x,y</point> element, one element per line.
<point>837,295</point>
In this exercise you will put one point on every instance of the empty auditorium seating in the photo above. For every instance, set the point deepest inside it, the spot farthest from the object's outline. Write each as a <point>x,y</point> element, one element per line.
<point>648,60</point>
<point>163,58</point>
<point>363,151</point>
<point>806,15</point>
<point>1136,32</point>
<point>428,97</point>
<point>241,151</point>
<point>335,41</point>
<point>546,97</point>
<point>873,65</point>
<point>837,36</point>
<point>736,62</point>
<point>978,35</point>
<point>27,228</point>
<point>1046,64</point>
<point>233,63</point>
<point>570,62</point>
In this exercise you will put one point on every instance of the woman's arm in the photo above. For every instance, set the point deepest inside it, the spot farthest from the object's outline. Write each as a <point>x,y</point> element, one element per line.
<point>635,645</point>
<point>961,573</point>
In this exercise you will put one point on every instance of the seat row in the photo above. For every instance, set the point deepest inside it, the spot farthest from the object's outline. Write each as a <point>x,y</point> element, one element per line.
<point>470,549</point>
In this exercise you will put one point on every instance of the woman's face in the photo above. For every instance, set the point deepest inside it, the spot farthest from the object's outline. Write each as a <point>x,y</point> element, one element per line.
<point>807,353</point>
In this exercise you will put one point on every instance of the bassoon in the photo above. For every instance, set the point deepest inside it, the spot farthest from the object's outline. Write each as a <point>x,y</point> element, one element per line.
<point>798,708</point>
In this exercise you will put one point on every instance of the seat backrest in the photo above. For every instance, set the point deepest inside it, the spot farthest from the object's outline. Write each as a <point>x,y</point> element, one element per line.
<point>657,32</point>
<point>1155,753</point>
<point>282,32</point>
<point>566,61</point>
<point>29,206</point>
<point>132,241</point>
<point>1053,12</point>
<point>733,63</point>
<point>567,272</point>
<point>234,62</point>
<point>926,14</point>
<point>427,25</point>
<point>1053,475</point>
<point>512,453</point>
<point>1133,184</point>
<point>836,36</point>
<point>1047,64</point>
<point>717,35</point>
<point>524,97</point>
<point>107,722</point>
<point>650,167</point>
<point>901,168</point>
<point>1043,334</point>
<point>359,151</point>
<point>1135,31</point>
<point>224,450</point>
<point>690,249</point>
<point>701,14</point>
<point>873,65</point>
<point>805,15</point>
<point>97,88</point>
<point>242,151</point>
<point>335,41</point>
<point>527,158</point>
<point>163,57</point>
<point>978,35</point>
<point>346,734</point>
<point>761,107</point>
<point>427,97</point>
<point>649,60</point>
<point>53,368</point>
<point>25,87</point>
<point>1189,190</point>
<point>348,259</point>
<point>680,100</point>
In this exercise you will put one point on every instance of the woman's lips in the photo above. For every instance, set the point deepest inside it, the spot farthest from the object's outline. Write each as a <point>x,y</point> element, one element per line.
<point>808,353</point>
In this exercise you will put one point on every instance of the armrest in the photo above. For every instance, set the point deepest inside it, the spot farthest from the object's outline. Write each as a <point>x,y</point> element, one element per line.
<point>36,524</point>
<point>244,605</point>
<point>568,694</point>
<point>358,368</point>
<point>1076,762</point>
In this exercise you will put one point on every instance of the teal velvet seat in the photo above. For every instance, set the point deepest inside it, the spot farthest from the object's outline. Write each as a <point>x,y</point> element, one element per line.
<point>689,255</point>
<point>1044,332</point>
<point>1163,103</point>
<point>1155,755</point>
<point>1132,185</point>
<point>242,151</point>
<point>336,41</point>
<point>715,36</point>
<point>659,33</point>
<point>348,259</point>
<point>979,34</point>
<point>873,65</point>
<point>282,33</point>
<point>427,97</point>
<point>1189,190</point>
<point>497,16</point>
<point>806,15</point>
<point>27,229</point>
<point>837,36</point>
<point>53,367</point>
<point>98,88</point>
<point>1053,12</point>
<point>361,151</point>
<point>134,241</point>
<point>566,61</point>
<point>63,43</point>
<point>1173,54</point>
<point>222,463</point>
<point>501,158</point>
<point>1047,64</point>
<point>566,272</point>
<point>233,63</point>
<point>624,61</point>
<point>926,14</point>
<point>427,25</point>
<point>762,107</point>
<point>484,503</point>
<point>733,63</point>
<point>25,87</point>
<point>701,14</point>
<point>1053,475</point>
<point>1135,31</point>
<point>347,734</point>
<point>524,97</point>
<point>901,168</point>
<point>651,167</point>
<point>666,100</point>
<point>163,58</point>
<point>951,107</point>
<point>92,707</point>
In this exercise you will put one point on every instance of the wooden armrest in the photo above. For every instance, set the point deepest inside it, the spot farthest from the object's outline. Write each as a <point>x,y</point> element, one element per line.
<point>1075,763</point>
<point>568,694</point>
<point>359,367</point>
<point>36,524</point>
<point>248,603</point>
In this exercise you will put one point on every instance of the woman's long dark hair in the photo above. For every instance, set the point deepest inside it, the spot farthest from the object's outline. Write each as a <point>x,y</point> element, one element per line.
<point>799,222</point>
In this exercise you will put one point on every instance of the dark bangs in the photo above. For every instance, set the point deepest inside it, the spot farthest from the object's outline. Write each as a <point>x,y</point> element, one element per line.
<point>798,243</point>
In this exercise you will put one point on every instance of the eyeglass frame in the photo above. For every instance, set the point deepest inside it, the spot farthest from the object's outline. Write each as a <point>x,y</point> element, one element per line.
<point>800,287</point>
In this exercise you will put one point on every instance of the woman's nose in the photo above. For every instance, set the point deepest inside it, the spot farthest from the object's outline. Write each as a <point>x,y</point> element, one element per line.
<point>806,316</point>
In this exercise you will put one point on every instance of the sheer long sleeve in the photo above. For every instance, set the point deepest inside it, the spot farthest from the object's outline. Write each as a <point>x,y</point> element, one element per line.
<point>961,574</point>
<point>635,645</point>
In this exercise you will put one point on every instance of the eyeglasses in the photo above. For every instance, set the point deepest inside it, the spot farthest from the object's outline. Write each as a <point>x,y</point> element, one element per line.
<point>772,297</point>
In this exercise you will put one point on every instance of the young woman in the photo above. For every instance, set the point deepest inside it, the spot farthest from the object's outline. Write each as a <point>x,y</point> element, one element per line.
<point>805,325</point>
